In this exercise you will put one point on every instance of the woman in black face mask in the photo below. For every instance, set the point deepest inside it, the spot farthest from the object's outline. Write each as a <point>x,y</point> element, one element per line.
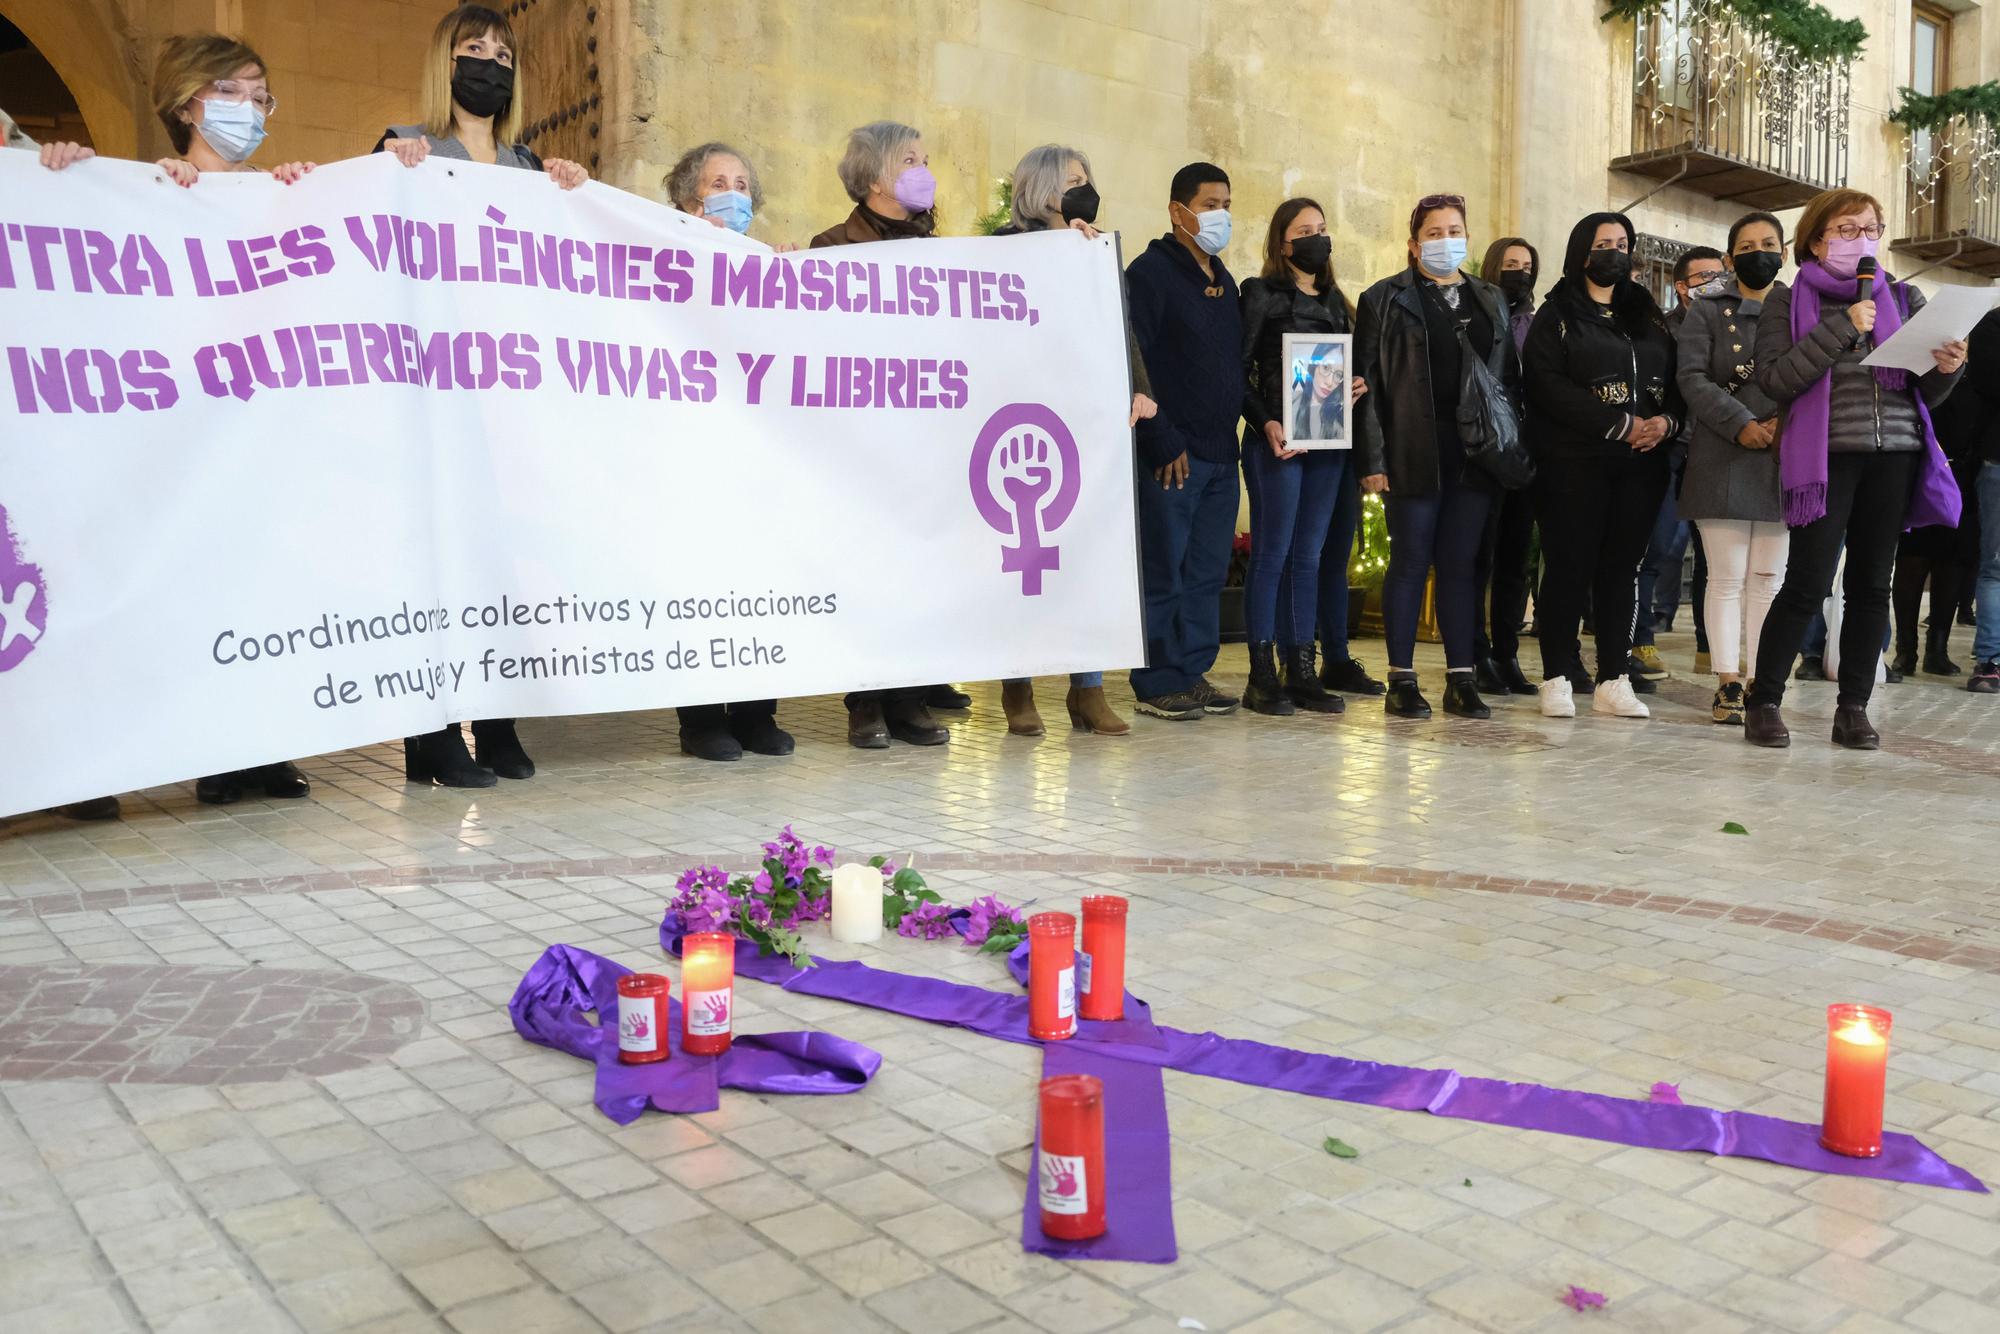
<point>1053,188</point>
<point>1512,265</point>
<point>1296,495</point>
<point>470,111</point>
<point>1599,369</point>
<point>471,115</point>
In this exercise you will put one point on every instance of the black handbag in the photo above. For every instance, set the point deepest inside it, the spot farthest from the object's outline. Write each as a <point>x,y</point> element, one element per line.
<point>1487,422</point>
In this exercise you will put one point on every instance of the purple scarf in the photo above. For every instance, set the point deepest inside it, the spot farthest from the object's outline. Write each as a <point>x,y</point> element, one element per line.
<point>1802,444</point>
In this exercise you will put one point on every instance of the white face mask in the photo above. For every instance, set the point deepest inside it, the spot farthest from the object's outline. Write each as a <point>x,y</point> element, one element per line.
<point>233,129</point>
<point>1442,256</point>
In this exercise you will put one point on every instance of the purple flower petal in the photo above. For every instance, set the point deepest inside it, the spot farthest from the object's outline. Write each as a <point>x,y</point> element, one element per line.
<point>1582,1299</point>
<point>1667,1093</point>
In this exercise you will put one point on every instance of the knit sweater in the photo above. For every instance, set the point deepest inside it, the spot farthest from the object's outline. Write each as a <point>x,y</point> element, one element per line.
<point>1190,332</point>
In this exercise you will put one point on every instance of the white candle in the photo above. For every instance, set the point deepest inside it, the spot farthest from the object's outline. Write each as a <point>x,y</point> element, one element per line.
<point>857,903</point>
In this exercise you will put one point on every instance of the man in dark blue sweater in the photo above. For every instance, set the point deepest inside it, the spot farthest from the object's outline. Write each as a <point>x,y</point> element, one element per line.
<point>1190,331</point>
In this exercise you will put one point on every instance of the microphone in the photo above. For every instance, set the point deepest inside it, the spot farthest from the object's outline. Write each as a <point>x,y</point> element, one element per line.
<point>1864,276</point>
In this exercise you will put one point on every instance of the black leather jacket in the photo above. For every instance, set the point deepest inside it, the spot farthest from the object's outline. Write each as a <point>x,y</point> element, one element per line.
<point>1270,311</point>
<point>1395,421</point>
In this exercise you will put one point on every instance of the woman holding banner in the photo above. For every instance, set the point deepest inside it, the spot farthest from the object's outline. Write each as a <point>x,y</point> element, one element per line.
<point>212,95</point>
<point>470,111</point>
<point>1053,189</point>
<point>886,172</point>
<point>471,115</point>
<point>717,182</point>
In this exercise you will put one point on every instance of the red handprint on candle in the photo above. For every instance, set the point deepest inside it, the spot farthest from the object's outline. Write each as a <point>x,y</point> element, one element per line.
<point>638,1027</point>
<point>715,1009</point>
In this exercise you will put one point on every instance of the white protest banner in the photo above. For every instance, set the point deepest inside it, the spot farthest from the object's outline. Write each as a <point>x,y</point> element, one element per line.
<point>285,470</point>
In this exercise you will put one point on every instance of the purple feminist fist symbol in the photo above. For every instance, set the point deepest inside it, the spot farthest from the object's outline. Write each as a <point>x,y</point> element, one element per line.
<point>24,603</point>
<point>1025,475</point>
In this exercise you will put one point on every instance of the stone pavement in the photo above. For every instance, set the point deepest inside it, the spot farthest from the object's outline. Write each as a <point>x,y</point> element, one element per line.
<point>256,1071</point>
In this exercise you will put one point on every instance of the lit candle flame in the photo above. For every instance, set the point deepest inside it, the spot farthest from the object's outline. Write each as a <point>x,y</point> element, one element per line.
<point>1861,1033</point>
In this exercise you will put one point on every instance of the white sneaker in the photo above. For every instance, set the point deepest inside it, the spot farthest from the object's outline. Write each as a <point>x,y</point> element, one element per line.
<point>1615,697</point>
<point>1558,697</point>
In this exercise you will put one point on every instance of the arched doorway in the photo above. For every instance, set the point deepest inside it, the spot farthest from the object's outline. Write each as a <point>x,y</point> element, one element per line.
<point>68,70</point>
<point>37,98</point>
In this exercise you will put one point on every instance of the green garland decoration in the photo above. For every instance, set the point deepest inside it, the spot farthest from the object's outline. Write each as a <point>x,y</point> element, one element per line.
<point>1917,112</point>
<point>1805,29</point>
<point>1003,209</point>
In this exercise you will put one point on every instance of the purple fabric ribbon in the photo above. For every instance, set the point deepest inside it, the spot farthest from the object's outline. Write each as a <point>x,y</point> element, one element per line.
<point>1439,1092</point>
<point>566,983</point>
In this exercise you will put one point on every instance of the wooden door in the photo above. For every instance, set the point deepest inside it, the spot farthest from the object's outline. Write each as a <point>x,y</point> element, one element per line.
<point>559,58</point>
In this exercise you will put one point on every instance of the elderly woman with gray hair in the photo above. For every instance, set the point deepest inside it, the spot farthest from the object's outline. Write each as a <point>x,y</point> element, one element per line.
<point>1054,188</point>
<point>886,172</point>
<point>718,182</point>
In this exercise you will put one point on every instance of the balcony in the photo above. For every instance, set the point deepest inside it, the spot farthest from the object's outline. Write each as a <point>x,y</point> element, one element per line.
<point>1951,192</point>
<point>1722,110</point>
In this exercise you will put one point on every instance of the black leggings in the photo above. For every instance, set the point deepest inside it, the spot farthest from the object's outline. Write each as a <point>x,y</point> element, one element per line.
<point>1867,497</point>
<point>1596,517</point>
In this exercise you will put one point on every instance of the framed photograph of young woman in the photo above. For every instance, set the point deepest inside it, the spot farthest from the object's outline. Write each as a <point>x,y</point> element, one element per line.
<point>1319,406</point>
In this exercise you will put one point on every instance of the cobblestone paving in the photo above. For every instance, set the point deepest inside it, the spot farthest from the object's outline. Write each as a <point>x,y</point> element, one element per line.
<point>1527,899</point>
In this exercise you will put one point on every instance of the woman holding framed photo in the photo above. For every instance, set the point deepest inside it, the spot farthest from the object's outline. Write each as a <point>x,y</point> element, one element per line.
<point>1296,494</point>
<point>1410,342</point>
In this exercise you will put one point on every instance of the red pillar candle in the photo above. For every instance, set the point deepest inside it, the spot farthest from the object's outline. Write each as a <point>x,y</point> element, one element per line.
<point>1857,1072</point>
<point>1070,1157</point>
<point>1051,975</point>
<point>708,991</point>
<point>1101,969</point>
<point>642,1018</point>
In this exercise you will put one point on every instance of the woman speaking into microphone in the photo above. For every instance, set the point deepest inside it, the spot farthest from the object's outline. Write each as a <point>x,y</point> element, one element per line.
<point>1857,458</point>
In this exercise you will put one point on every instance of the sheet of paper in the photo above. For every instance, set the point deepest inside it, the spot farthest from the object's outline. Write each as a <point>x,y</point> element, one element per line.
<point>1949,313</point>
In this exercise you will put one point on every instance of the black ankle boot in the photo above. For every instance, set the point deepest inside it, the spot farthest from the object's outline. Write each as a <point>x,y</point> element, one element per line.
<point>440,757</point>
<point>219,789</point>
<point>1302,685</point>
<point>1404,699</point>
<point>1486,676</point>
<point>710,743</point>
<point>496,747</point>
<point>280,781</point>
<point>1935,661</point>
<point>1905,661</point>
<point>1265,694</point>
<point>1348,676</point>
<point>761,735</point>
<point>1461,696</point>
<point>1516,681</point>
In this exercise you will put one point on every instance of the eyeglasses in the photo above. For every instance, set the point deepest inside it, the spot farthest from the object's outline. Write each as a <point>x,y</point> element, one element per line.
<point>1429,202</point>
<point>1847,231</point>
<point>229,90</point>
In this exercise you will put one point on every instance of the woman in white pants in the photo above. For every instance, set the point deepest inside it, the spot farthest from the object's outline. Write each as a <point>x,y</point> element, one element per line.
<point>1731,489</point>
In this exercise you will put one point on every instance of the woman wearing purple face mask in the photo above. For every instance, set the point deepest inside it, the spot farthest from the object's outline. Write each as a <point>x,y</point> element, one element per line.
<point>886,172</point>
<point>1857,458</point>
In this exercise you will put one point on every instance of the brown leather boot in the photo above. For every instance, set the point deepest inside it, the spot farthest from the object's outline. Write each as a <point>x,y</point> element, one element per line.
<point>1017,701</point>
<point>1852,729</point>
<point>1089,711</point>
<point>866,729</point>
<point>1763,725</point>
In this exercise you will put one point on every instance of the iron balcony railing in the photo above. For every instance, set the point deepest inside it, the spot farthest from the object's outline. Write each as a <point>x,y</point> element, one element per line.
<point>1951,192</point>
<point>1721,108</point>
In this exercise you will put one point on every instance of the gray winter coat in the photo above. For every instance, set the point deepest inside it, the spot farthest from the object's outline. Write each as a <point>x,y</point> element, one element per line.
<point>1717,373</point>
<point>504,155</point>
<point>1864,417</point>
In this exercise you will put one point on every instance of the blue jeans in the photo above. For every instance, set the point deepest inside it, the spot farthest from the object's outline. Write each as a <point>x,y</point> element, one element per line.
<point>1443,529</point>
<point>1664,553</point>
<point>1081,680</point>
<point>1291,507</point>
<point>1184,539</point>
<point>1334,554</point>
<point>1986,590</point>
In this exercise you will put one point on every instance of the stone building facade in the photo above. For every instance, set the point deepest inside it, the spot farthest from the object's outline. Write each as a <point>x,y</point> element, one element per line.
<point>1521,105</point>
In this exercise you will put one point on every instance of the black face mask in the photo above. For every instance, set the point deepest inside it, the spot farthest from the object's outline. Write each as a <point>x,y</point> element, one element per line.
<point>1517,285</point>
<point>1310,254</point>
<point>1080,204</point>
<point>482,87</point>
<point>1608,268</point>
<point>1758,269</point>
